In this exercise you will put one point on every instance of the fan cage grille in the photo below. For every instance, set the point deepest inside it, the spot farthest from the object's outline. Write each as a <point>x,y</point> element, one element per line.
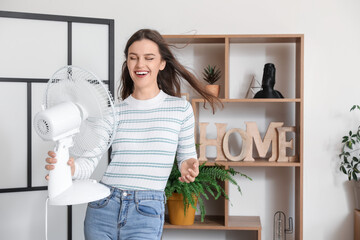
<point>85,89</point>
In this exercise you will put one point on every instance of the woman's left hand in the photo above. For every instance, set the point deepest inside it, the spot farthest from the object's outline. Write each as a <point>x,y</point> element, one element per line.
<point>189,170</point>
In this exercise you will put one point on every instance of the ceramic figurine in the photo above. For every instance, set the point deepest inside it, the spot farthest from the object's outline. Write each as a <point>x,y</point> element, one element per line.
<point>268,83</point>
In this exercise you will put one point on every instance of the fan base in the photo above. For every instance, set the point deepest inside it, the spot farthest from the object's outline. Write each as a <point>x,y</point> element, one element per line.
<point>81,191</point>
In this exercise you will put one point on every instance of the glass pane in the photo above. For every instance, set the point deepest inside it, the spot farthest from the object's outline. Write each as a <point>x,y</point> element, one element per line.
<point>32,48</point>
<point>78,216</point>
<point>13,135</point>
<point>90,44</point>
<point>39,146</point>
<point>26,211</point>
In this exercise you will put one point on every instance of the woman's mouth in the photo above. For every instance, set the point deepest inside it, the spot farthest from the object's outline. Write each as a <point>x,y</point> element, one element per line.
<point>141,73</point>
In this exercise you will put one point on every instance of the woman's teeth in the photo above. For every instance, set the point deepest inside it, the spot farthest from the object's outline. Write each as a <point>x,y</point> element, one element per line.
<point>141,73</point>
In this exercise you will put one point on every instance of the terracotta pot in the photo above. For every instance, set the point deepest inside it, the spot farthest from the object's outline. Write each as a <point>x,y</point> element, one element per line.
<point>213,90</point>
<point>176,211</point>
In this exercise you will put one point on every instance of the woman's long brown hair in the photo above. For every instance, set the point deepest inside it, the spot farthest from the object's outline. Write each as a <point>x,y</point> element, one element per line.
<point>168,79</point>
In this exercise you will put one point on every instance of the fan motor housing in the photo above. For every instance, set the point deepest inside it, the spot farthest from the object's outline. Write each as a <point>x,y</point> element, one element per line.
<point>57,122</point>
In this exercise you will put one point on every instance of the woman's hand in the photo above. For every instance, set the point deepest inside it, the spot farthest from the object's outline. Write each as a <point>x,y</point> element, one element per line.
<point>189,170</point>
<point>52,160</point>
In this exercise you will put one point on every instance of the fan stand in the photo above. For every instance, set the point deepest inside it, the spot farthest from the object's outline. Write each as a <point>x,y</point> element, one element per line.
<point>62,190</point>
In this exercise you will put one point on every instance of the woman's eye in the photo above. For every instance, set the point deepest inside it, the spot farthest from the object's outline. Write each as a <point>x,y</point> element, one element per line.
<point>132,58</point>
<point>149,59</point>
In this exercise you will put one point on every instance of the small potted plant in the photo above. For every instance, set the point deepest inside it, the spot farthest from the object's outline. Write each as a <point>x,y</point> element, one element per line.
<point>350,159</point>
<point>180,196</point>
<point>211,75</point>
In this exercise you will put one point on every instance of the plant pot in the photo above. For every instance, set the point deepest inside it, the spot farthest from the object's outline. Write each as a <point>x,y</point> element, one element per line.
<point>357,194</point>
<point>176,211</point>
<point>213,90</point>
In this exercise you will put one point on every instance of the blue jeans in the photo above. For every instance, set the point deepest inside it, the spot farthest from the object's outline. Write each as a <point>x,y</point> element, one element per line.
<point>136,215</point>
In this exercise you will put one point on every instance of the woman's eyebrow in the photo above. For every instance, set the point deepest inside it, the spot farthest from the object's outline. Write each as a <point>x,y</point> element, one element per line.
<point>146,54</point>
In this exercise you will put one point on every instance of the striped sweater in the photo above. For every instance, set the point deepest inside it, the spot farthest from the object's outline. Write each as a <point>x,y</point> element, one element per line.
<point>149,134</point>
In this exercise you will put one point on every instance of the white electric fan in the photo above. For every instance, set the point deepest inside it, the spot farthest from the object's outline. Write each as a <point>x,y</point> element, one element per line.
<point>78,114</point>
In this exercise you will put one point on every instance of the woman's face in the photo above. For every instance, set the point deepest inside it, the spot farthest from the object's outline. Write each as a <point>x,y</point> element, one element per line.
<point>144,63</point>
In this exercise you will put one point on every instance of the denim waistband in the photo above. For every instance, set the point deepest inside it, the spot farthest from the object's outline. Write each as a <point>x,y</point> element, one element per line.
<point>137,195</point>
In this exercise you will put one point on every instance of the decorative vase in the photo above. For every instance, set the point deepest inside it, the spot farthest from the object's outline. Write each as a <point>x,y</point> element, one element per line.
<point>357,194</point>
<point>176,211</point>
<point>213,90</point>
<point>268,83</point>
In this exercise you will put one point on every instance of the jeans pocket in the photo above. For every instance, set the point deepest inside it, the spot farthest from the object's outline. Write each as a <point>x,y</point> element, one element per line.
<point>102,202</point>
<point>150,208</point>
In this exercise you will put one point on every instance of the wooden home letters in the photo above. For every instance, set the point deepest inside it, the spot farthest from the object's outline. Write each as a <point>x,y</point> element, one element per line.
<point>274,136</point>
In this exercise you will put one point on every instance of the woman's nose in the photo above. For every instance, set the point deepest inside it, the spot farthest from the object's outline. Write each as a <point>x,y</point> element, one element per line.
<point>140,62</point>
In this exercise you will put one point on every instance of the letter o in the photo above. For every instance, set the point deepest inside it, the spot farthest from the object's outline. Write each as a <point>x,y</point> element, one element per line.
<point>245,146</point>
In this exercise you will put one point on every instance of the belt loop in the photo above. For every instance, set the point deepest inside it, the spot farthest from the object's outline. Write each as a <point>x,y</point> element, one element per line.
<point>164,197</point>
<point>136,196</point>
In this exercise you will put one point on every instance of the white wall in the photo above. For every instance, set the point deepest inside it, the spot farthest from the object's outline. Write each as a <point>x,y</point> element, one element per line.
<point>332,37</point>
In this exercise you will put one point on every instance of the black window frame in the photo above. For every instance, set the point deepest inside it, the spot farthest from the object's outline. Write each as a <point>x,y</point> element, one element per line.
<point>29,81</point>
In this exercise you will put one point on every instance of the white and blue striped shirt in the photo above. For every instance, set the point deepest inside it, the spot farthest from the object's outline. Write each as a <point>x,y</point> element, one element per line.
<point>149,134</point>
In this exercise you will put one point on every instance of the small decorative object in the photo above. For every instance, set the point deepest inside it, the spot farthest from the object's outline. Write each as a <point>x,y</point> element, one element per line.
<point>254,87</point>
<point>350,161</point>
<point>210,181</point>
<point>211,75</point>
<point>280,229</point>
<point>268,83</point>
<point>274,139</point>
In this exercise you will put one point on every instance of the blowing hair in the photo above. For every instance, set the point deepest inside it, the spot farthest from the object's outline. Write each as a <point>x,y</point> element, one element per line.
<point>169,78</point>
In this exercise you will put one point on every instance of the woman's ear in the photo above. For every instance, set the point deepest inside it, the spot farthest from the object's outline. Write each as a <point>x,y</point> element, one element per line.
<point>162,65</point>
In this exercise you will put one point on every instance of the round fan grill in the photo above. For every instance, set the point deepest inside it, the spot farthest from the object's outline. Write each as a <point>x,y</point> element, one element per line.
<point>76,85</point>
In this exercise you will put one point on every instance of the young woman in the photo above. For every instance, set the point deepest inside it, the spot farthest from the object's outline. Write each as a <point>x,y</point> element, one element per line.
<point>154,124</point>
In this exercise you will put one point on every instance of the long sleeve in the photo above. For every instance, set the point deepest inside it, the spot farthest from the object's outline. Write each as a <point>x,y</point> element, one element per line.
<point>84,167</point>
<point>94,144</point>
<point>186,142</point>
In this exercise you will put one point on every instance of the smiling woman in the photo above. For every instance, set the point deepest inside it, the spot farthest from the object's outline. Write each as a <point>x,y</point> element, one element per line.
<point>153,125</point>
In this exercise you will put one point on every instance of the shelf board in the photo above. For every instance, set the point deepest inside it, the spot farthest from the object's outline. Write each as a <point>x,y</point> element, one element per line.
<point>244,38</point>
<point>256,163</point>
<point>217,223</point>
<point>210,222</point>
<point>252,100</point>
<point>266,38</point>
<point>244,223</point>
<point>190,39</point>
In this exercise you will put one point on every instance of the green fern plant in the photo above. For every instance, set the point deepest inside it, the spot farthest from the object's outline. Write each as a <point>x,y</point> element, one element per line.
<point>208,182</point>
<point>211,74</point>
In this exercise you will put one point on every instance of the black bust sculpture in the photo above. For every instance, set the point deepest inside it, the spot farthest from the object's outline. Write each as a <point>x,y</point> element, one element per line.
<point>268,83</point>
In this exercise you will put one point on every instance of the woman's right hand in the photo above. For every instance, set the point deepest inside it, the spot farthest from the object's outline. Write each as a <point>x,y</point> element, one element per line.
<point>52,160</point>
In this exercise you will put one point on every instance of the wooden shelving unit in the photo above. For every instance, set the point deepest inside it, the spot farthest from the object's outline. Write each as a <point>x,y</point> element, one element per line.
<point>253,223</point>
